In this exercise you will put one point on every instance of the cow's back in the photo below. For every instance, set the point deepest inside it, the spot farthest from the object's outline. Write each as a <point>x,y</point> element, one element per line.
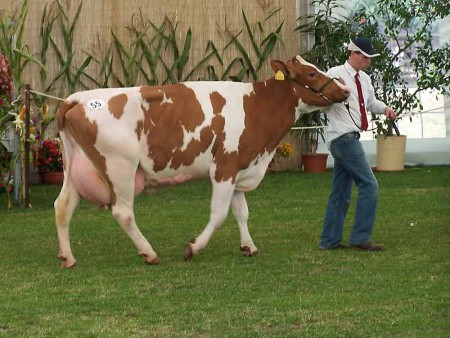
<point>175,132</point>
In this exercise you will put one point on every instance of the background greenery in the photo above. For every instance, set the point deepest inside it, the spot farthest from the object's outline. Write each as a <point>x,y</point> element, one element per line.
<point>384,22</point>
<point>292,289</point>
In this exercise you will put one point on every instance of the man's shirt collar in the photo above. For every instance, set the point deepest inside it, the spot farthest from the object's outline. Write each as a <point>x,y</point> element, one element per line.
<point>350,69</point>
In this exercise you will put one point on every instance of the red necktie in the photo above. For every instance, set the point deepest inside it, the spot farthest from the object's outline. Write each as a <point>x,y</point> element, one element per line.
<point>362,107</point>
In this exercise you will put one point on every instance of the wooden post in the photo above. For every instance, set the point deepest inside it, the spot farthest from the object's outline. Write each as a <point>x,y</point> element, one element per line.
<point>26,162</point>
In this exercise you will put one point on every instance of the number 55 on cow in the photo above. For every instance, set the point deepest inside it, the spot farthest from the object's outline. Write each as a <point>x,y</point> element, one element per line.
<point>118,139</point>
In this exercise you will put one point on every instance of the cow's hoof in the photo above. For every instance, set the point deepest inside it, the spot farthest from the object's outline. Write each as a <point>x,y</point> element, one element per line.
<point>67,262</point>
<point>151,260</point>
<point>248,252</point>
<point>154,261</point>
<point>188,252</point>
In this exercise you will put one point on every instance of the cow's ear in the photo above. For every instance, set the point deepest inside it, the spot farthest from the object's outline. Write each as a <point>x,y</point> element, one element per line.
<point>278,65</point>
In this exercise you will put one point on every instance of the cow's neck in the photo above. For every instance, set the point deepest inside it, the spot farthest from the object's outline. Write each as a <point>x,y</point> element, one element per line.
<point>278,103</point>
<point>269,114</point>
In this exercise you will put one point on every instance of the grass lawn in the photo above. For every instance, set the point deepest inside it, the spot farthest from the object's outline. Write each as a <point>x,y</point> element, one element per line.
<point>291,289</point>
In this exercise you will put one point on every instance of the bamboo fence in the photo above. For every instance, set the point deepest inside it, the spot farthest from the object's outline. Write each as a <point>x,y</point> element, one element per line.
<point>208,20</point>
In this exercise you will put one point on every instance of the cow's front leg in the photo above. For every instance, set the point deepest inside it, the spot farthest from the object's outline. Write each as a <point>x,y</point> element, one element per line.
<point>220,204</point>
<point>124,215</point>
<point>240,212</point>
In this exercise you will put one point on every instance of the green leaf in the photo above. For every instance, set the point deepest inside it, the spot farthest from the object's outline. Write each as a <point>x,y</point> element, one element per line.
<point>228,70</point>
<point>245,56</point>
<point>81,69</point>
<point>29,57</point>
<point>251,36</point>
<point>206,58</point>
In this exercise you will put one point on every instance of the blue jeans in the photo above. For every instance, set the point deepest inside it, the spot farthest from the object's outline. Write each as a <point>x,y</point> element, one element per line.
<point>350,165</point>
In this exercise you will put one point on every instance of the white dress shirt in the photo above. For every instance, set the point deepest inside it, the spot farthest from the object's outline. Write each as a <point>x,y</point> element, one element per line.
<point>339,119</point>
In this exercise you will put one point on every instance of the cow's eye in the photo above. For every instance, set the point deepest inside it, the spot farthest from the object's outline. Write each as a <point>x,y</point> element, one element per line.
<point>312,75</point>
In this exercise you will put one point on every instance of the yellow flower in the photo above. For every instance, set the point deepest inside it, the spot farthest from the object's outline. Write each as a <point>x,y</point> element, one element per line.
<point>22,112</point>
<point>284,149</point>
<point>45,109</point>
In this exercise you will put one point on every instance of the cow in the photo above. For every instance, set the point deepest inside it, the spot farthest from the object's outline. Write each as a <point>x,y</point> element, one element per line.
<point>117,139</point>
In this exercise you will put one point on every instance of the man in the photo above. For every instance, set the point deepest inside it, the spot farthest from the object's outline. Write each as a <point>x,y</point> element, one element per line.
<point>350,163</point>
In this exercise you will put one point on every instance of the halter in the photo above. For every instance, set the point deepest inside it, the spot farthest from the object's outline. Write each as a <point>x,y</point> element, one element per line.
<point>318,92</point>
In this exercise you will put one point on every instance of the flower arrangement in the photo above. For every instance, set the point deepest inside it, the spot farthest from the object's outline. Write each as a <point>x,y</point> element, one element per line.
<point>6,80</point>
<point>49,156</point>
<point>284,150</point>
<point>6,91</point>
<point>6,180</point>
<point>7,108</point>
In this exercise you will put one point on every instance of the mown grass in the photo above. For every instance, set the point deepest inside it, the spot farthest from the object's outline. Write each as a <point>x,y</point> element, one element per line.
<point>291,289</point>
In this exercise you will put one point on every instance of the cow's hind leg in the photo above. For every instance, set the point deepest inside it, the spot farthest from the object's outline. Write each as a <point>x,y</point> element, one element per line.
<point>65,205</point>
<point>220,204</point>
<point>240,212</point>
<point>124,215</point>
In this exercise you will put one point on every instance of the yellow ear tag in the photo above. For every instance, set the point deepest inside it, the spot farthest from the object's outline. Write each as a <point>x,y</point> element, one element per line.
<point>279,75</point>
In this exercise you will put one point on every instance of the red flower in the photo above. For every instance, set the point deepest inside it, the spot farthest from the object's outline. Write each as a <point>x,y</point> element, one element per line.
<point>49,156</point>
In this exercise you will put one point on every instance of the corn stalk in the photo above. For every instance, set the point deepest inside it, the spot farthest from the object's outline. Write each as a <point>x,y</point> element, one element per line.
<point>69,73</point>
<point>262,50</point>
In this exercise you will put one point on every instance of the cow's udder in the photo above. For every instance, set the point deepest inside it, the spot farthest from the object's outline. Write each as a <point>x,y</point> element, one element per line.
<point>88,183</point>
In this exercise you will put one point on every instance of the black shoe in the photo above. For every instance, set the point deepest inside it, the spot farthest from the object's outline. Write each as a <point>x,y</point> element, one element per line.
<point>337,247</point>
<point>368,247</point>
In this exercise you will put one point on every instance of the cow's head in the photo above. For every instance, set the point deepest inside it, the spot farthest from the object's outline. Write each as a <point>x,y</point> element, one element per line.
<point>321,90</point>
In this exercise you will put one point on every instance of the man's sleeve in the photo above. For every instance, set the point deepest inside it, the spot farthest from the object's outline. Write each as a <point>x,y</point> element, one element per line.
<point>373,104</point>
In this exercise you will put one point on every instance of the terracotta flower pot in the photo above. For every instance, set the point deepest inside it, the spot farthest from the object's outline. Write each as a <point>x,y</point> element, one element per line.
<point>53,178</point>
<point>315,163</point>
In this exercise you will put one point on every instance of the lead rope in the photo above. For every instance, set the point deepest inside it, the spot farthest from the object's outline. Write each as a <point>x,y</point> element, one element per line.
<point>347,105</point>
<point>394,125</point>
<point>46,95</point>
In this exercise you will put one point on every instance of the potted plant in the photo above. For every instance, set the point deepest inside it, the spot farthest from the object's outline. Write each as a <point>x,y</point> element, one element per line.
<point>49,161</point>
<point>405,43</point>
<point>327,35</point>
<point>391,149</point>
<point>312,130</point>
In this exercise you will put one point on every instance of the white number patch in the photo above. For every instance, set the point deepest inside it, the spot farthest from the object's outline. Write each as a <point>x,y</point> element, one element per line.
<point>96,104</point>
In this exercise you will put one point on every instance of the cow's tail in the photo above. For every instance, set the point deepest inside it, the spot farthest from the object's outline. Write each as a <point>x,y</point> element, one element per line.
<point>61,113</point>
<point>60,121</point>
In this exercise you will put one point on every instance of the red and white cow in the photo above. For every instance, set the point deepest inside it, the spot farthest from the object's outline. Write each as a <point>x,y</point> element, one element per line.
<point>114,138</point>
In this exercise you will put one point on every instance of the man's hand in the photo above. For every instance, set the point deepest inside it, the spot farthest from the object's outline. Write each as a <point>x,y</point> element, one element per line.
<point>390,113</point>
